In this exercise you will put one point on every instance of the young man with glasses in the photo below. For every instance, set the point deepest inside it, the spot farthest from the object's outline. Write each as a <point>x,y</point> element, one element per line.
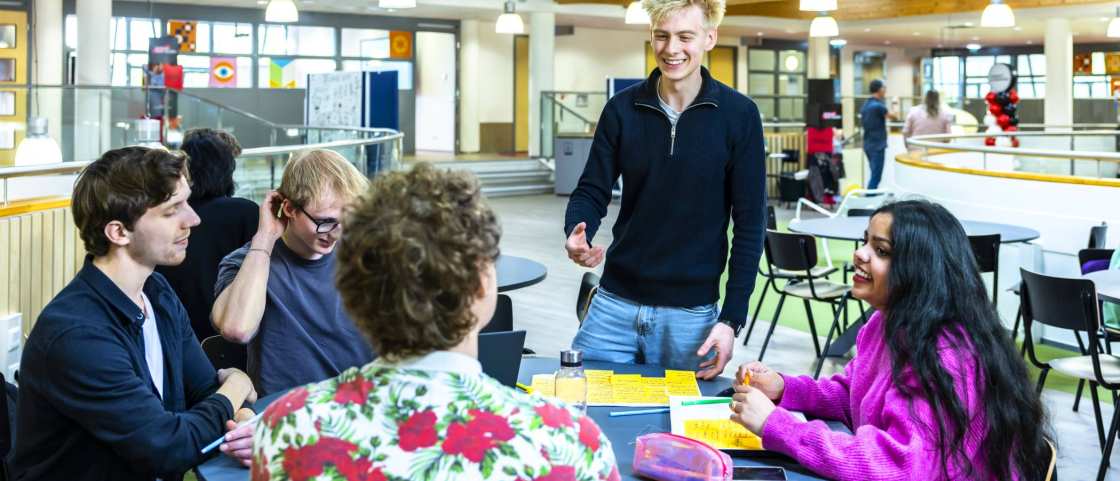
<point>277,294</point>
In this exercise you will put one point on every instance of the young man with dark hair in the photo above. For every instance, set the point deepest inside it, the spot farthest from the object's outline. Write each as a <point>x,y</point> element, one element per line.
<point>873,118</point>
<point>113,383</point>
<point>689,150</point>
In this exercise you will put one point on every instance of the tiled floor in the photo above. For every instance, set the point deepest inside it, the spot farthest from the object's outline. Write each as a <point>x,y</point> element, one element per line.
<point>533,228</point>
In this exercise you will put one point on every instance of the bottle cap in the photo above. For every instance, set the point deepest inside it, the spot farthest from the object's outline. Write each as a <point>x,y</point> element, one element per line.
<point>571,358</point>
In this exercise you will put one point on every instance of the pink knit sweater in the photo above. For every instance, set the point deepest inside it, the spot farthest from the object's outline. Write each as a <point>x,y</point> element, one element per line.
<point>893,435</point>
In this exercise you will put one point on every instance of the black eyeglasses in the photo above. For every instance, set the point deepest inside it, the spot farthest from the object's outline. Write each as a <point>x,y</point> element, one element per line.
<point>322,226</point>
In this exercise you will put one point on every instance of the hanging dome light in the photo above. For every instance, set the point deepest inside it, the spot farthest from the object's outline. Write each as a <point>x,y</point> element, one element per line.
<point>1114,25</point>
<point>38,147</point>
<point>281,11</point>
<point>817,5</point>
<point>396,4</point>
<point>509,21</point>
<point>997,15</point>
<point>636,15</point>
<point>824,26</point>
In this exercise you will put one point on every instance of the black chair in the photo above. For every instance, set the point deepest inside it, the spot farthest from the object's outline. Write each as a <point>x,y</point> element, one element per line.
<point>6,425</point>
<point>985,248</point>
<point>1072,304</point>
<point>588,286</point>
<point>502,321</point>
<point>798,253</point>
<point>225,354</point>
<point>1111,334</point>
<point>859,212</point>
<point>772,274</point>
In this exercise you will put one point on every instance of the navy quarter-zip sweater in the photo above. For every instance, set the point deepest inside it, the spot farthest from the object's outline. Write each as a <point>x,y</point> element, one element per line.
<point>88,409</point>
<point>681,187</point>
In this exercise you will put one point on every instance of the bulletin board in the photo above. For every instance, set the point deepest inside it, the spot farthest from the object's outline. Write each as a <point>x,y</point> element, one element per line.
<point>13,81</point>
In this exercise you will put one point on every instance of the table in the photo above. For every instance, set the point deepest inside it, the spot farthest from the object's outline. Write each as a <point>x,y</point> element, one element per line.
<point>1107,283</point>
<point>517,272</point>
<point>621,431</point>
<point>852,228</point>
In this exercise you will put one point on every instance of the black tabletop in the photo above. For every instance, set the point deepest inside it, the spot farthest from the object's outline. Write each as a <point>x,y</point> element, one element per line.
<point>1107,283</point>
<point>852,228</point>
<point>622,431</point>
<point>517,272</point>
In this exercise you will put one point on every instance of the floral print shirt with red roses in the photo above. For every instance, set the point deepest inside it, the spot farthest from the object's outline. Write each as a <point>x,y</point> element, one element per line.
<point>434,418</point>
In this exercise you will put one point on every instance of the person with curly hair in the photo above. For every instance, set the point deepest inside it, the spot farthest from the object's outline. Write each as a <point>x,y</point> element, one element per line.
<point>228,222</point>
<point>277,294</point>
<point>416,272</point>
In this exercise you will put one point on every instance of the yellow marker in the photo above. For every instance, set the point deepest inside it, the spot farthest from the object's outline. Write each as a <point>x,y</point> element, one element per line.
<point>525,388</point>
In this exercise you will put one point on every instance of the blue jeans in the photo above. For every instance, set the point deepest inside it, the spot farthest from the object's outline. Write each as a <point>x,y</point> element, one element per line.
<point>875,158</point>
<point>622,331</point>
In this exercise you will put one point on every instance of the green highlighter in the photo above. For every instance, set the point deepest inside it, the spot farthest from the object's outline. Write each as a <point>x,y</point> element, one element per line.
<point>698,402</point>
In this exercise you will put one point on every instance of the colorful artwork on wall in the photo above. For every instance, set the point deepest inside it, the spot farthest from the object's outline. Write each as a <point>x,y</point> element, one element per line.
<point>1082,64</point>
<point>223,72</point>
<point>280,73</point>
<point>400,45</point>
<point>185,33</point>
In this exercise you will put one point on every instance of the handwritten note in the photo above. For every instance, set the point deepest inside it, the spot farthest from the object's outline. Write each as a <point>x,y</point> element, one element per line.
<point>722,434</point>
<point>606,388</point>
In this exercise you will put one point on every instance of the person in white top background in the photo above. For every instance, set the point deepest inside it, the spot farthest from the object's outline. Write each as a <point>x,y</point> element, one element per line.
<point>929,118</point>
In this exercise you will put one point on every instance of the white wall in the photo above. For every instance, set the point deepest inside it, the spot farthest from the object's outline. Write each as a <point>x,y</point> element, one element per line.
<point>585,59</point>
<point>435,91</point>
<point>495,61</point>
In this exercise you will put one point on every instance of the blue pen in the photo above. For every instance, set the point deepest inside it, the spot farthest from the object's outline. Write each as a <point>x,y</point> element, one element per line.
<point>640,411</point>
<point>218,442</point>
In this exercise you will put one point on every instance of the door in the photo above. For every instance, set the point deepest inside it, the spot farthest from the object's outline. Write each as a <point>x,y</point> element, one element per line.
<point>521,93</point>
<point>435,91</point>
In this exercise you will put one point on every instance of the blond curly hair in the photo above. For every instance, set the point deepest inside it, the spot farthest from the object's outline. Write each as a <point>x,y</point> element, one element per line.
<point>659,9</point>
<point>410,261</point>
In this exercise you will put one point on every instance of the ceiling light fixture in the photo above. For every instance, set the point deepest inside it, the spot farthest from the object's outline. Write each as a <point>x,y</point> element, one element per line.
<point>509,21</point>
<point>824,26</point>
<point>396,3</point>
<point>817,5</point>
<point>838,42</point>
<point>636,15</point>
<point>972,47</point>
<point>1114,25</point>
<point>281,11</point>
<point>997,15</point>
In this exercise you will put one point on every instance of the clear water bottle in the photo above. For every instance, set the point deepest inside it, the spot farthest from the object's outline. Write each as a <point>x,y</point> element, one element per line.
<point>571,381</point>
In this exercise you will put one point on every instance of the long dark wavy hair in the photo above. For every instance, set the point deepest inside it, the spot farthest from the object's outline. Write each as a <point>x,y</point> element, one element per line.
<point>212,160</point>
<point>935,291</point>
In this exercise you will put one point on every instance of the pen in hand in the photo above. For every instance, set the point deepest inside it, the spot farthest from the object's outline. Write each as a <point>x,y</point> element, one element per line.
<point>218,442</point>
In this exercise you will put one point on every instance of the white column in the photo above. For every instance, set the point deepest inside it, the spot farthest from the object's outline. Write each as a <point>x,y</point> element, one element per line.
<point>1059,72</point>
<point>848,91</point>
<point>46,61</point>
<point>542,41</point>
<point>818,67</point>
<point>468,86</point>
<point>91,132</point>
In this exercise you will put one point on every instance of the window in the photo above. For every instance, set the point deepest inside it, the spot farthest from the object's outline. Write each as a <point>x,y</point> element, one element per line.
<point>1032,75</point>
<point>403,68</point>
<point>141,30</point>
<point>776,80</point>
<point>233,38</point>
<point>296,40</point>
<point>293,73</point>
<point>365,43</point>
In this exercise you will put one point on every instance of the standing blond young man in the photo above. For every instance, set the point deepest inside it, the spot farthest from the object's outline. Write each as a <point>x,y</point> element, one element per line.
<point>690,152</point>
<point>277,293</point>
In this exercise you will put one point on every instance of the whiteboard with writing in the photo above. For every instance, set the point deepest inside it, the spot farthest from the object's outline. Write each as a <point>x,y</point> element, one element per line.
<point>334,99</point>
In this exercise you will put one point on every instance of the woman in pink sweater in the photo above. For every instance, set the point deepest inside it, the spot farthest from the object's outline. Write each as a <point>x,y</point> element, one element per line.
<point>936,389</point>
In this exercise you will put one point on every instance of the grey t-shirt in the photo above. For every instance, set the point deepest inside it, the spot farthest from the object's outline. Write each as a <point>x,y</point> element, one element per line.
<point>305,335</point>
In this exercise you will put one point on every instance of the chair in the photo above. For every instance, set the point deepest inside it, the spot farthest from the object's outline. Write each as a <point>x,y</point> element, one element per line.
<point>6,427</point>
<point>798,253</point>
<point>225,354</point>
<point>1111,334</point>
<point>588,286</point>
<point>772,274</point>
<point>502,321</point>
<point>1071,303</point>
<point>985,248</point>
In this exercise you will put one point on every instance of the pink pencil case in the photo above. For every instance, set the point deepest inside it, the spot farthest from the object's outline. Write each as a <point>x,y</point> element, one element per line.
<point>668,457</point>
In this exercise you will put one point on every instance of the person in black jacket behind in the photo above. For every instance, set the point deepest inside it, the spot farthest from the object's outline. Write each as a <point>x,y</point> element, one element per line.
<point>113,384</point>
<point>227,223</point>
<point>690,153</point>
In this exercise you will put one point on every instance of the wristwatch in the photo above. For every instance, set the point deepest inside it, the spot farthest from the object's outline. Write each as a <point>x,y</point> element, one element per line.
<point>736,327</point>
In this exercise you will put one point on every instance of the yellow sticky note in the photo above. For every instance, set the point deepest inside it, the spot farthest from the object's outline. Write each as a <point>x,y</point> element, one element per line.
<point>599,390</point>
<point>544,384</point>
<point>722,434</point>
<point>628,389</point>
<point>654,388</point>
<point>681,383</point>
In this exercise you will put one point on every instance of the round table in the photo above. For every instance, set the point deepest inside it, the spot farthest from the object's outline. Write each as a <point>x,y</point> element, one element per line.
<point>517,272</point>
<point>620,430</point>
<point>852,228</point>
<point>1107,283</point>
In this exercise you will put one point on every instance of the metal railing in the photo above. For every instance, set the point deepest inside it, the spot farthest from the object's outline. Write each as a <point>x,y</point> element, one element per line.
<point>1035,154</point>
